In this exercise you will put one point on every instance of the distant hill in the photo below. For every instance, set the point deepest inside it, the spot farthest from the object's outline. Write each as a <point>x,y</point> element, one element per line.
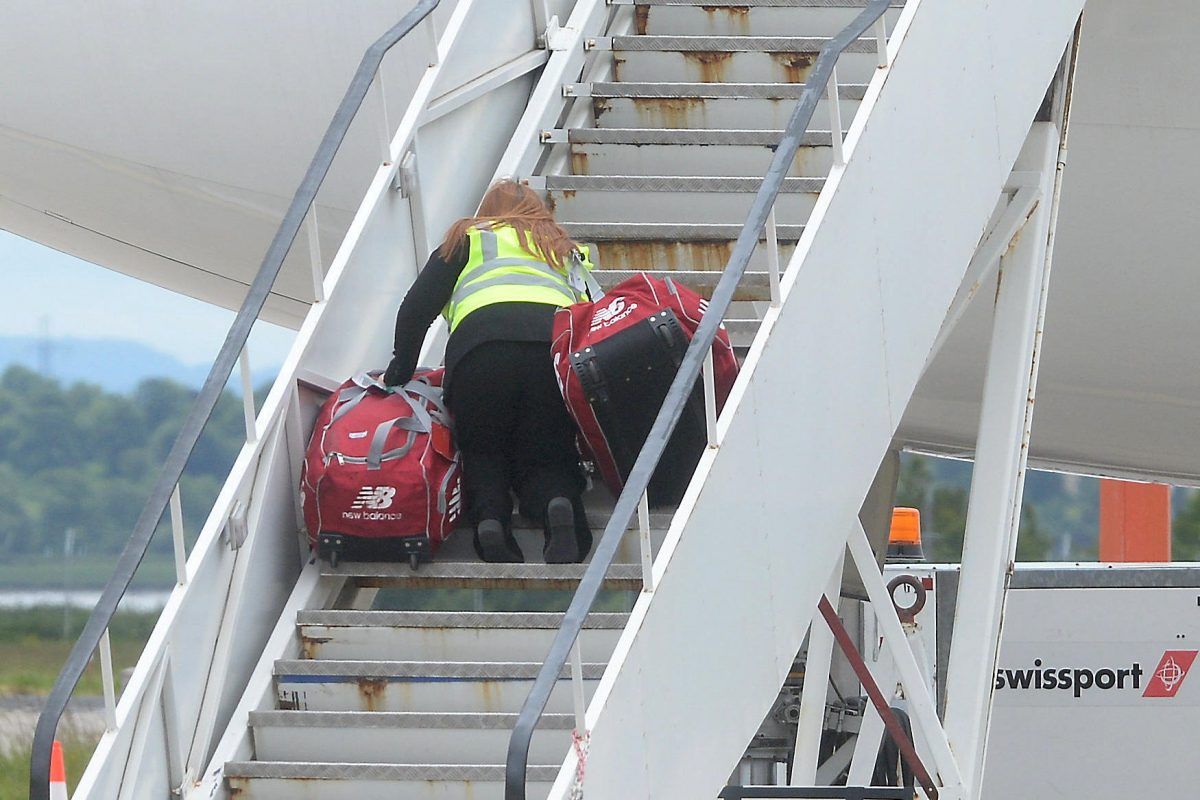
<point>117,365</point>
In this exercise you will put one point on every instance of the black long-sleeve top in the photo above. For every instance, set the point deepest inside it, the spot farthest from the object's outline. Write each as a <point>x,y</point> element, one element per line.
<point>429,294</point>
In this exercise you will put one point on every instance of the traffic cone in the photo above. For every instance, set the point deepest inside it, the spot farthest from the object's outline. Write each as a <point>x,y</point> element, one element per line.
<point>58,773</point>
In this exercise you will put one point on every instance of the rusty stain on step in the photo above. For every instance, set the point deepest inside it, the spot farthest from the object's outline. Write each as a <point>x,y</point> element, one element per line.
<point>710,64</point>
<point>371,692</point>
<point>796,66</point>
<point>642,18</point>
<point>736,18</point>
<point>669,112</point>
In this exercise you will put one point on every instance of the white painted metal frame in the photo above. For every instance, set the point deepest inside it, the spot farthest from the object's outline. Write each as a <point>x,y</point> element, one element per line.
<point>921,702</point>
<point>815,691</point>
<point>566,63</point>
<point>1005,238</point>
<point>152,676</point>
<point>993,512</point>
<point>634,718</point>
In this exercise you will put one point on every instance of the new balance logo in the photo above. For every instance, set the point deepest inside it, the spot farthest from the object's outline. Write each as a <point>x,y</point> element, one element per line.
<point>1169,674</point>
<point>609,311</point>
<point>375,497</point>
<point>615,311</point>
<point>454,504</point>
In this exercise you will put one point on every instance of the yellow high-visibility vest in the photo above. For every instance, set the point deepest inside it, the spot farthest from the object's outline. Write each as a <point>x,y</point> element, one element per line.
<point>500,270</point>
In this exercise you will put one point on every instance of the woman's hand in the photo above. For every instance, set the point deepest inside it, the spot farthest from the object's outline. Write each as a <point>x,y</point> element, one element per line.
<point>396,374</point>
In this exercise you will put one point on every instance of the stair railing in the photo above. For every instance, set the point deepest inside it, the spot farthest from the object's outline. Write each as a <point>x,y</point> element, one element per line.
<point>697,360</point>
<point>165,492</point>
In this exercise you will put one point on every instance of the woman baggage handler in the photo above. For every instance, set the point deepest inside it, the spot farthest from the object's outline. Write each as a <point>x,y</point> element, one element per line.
<point>498,278</point>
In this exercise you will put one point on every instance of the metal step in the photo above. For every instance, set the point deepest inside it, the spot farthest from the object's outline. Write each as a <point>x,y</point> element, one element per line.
<point>733,59</point>
<point>607,198</point>
<point>749,17</point>
<point>859,4</point>
<point>446,636</point>
<point>674,247</point>
<point>690,159</point>
<point>460,686</point>
<point>680,152</point>
<point>287,780</point>
<point>601,232</point>
<point>530,538</point>
<point>385,737</point>
<point>658,90</point>
<point>682,136</point>
<point>701,113</point>
<point>477,575</point>
<point>672,105</point>
<point>754,286</point>
<point>680,256</point>
<point>727,44</point>
<point>742,331</point>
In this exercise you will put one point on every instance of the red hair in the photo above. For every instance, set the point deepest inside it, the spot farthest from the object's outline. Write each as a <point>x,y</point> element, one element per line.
<point>508,202</point>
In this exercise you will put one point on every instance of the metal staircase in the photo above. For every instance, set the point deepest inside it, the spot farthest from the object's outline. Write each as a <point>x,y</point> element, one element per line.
<point>424,702</point>
<point>650,130</point>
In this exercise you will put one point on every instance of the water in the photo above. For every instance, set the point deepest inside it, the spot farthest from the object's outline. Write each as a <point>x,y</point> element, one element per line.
<point>135,600</point>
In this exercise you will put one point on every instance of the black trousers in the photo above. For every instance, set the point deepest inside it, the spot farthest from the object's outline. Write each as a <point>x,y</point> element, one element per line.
<point>513,430</point>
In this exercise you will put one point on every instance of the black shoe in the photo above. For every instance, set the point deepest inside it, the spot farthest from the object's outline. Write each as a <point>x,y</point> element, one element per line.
<point>562,547</point>
<point>496,545</point>
<point>583,531</point>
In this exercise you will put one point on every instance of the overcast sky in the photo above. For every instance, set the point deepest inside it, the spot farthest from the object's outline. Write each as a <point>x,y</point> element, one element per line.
<point>74,298</point>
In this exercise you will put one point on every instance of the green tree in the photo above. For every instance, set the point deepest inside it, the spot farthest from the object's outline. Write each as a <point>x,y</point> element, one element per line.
<point>1185,531</point>
<point>77,457</point>
<point>916,482</point>
<point>1032,542</point>
<point>946,524</point>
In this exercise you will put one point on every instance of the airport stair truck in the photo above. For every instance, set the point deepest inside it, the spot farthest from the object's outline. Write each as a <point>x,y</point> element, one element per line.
<point>903,145</point>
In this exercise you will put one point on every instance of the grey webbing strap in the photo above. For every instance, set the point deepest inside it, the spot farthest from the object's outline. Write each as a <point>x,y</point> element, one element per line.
<point>346,407</point>
<point>376,456</point>
<point>366,380</point>
<point>419,422</point>
<point>351,396</point>
<point>582,278</point>
<point>419,412</point>
<point>430,394</point>
<point>442,499</point>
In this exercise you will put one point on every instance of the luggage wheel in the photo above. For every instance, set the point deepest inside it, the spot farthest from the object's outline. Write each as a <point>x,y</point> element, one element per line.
<point>331,545</point>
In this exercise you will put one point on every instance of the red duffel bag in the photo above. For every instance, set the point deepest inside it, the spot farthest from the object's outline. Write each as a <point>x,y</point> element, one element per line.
<point>382,476</point>
<point>615,359</point>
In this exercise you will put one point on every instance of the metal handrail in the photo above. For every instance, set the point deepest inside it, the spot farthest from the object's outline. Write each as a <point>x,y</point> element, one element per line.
<point>678,396</point>
<point>214,385</point>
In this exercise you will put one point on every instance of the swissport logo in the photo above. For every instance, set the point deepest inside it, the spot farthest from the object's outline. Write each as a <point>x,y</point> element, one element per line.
<point>1164,681</point>
<point>375,497</point>
<point>1169,674</point>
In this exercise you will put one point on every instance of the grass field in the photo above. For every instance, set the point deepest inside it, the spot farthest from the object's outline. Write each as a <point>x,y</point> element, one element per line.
<point>81,573</point>
<point>30,666</point>
<point>32,651</point>
<point>14,767</point>
<point>32,648</point>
